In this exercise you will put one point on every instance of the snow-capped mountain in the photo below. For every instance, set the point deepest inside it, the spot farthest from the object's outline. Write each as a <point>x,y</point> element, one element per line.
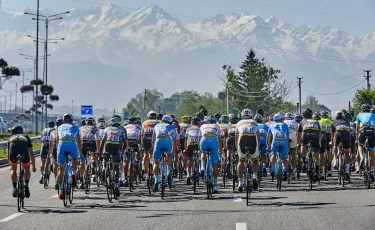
<point>158,46</point>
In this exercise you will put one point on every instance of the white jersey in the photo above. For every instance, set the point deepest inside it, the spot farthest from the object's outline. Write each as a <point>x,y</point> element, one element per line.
<point>292,125</point>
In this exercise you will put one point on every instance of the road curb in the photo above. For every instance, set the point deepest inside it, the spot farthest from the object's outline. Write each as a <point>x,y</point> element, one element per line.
<point>4,162</point>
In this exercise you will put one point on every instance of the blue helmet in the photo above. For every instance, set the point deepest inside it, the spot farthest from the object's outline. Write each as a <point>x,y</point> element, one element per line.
<point>167,119</point>
<point>211,119</point>
<point>225,119</point>
<point>278,117</point>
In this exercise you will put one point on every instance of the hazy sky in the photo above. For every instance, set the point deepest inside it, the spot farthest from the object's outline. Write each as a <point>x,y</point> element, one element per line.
<point>354,16</point>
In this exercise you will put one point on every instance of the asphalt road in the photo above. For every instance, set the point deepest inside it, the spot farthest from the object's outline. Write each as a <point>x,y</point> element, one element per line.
<point>327,206</point>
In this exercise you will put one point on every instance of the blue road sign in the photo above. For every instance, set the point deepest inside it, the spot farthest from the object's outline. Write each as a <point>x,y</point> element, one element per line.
<point>232,108</point>
<point>86,111</point>
<point>126,116</point>
<point>221,95</point>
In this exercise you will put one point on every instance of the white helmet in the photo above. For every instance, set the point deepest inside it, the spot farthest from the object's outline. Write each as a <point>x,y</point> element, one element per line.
<point>246,114</point>
<point>151,115</point>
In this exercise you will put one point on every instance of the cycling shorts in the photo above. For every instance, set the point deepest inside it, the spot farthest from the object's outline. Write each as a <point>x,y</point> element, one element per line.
<point>214,146</point>
<point>293,140</point>
<point>70,147</point>
<point>247,142</point>
<point>231,142</point>
<point>54,152</point>
<point>342,137</point>
<point>263,148</point>
<point>44,151</point>
<point>19,148</point>
<point>162,144</point>
<point>283,150</point>
<point>314,137</point>
<point>114,150</point>
<point>190,150</point>
<point>88,146</point>
<point>367,132</point>
<point>147,143</point>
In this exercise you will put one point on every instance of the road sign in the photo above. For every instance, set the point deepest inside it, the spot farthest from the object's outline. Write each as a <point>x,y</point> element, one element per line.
<point>86,111</point>
<point>126,116</point>
<point>232,108</point>
<point>221,95</point>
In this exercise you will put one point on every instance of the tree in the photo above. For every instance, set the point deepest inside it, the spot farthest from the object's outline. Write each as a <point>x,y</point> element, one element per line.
<point>130,109</point>
<point>256,84</point>
<point>363,96</point>
<point>192,102</point>
<point>312,103</point>
<point>7,71</point>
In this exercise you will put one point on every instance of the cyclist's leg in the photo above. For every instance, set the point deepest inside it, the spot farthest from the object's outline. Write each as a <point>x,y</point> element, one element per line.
<point>255,159</point>
<point>214,156</point>
<point>322,156</point>
<point>146,156</point>
<point>12,158</point>
<point>189,156</point>
<point>55,164</point>
<point>241,160</point>
<point>61,161</point>
<point>329,156</point>
<point>316,150</point>
<point>43,157</point>
<point>82,171</point>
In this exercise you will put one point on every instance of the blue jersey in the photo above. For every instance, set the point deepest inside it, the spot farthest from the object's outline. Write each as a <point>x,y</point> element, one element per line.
<point>68,133</point>
<point>263,130</point>
<point>114,135</point>
<point>279,132</point>
<point>164,131</point>
<point>366,120</point>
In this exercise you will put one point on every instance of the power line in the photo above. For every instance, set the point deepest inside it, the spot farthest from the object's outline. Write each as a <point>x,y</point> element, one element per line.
<point>336,92</point>
<point>305,10</point>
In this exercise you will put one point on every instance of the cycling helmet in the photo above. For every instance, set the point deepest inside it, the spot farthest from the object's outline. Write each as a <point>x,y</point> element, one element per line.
<point>204,111</point>
<point>114,122</point>
<point>258,118</point>
<point>83,122</point>
<point>289,116</point>
<point>17,129</point>
<point>101,125</point>
<point>117,117</point>
<point>200,115</point>
<point>151,115</point>
<point>225,119</point>
<point>195,121</point>
<point>365,108</point>
<point>307,113</point>
<point>90,121</point>
<point>159,116</point>
<point>316,116</point>
<point>282,114</point>
<point>246,114</point>
<point>298,118</point>
<point>185,119</point>
<point>68,118</point>
<point>344,112</point>
<point>270,117</point>
<point>217,116</point>
<point>172,116</point>
<point>51,124</point>
<point>339,115</point>
<point>75,123</point>
<point>211,119</point>
<point>189,120</point>
<point>260,111</point>
<point>167,119</point>
<point>132,120</point>
<point>59,121</point>
<point>278,117</point>
<point>324,114</point>
<point>138,121</point>
<point>100,119</point>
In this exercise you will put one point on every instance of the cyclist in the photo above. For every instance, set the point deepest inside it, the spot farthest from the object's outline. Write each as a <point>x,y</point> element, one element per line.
<point>118,119</point>
<point>177,146</point>
<point>341,134</point>
<point>183,128</point>
<point>317,117</point>
<point>263,131</point>
<point>365,127</point>
<point>231,142</point>
<point>293,128</point>
<point>191,145</point>
<point>224,124</point>
<point>20,144</point>
<point>100,120</point>
<point>247,135</point>
<point>326,126</point>
<point>101,126</point>
<point>159,117</point>
<point>90,143</point>
<point>147,131</point>
<point>46,134</point>
<point>53,148</point>
<point>298,118</point>
<point>210,137</point>
<point>68,140</point>
<point>113,142</point>
<point>134,138</point>
<point>217,116</point>
<point>83,122</point>
<point>164,136</point>
<point>279,132</point>
<point>204,111</point>
<point>309,130</point>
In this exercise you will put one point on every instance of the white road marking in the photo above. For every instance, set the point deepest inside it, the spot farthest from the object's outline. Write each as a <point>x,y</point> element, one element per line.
<point>11,217</point>
<point>241,226</point>
<point>56,195</point>
<point>237,198</point>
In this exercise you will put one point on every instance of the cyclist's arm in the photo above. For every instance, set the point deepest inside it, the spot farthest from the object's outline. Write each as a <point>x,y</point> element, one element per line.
<point>269,141</point>
<point>258,139</point>
<point>102,143</point>
<point>220,143</point>
<point>50,144</point>
<point>236,139</point>
<point>174,145</point>
<point>79,145</point>
<point>153,141</point>
<point>357,132</point>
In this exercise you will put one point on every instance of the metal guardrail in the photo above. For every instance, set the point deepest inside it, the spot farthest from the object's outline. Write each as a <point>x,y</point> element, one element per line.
<point>3,147</point>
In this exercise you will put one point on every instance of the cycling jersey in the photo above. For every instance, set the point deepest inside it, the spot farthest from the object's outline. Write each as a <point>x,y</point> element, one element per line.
<point>67,134</point>
<point>19,144</point>
<point>134,136</point>
<point>231,136</point>
<point>341,128</point>
<point>209,134</point>
<point>263,131</point>
<point>164,135</point>
<point>247,131</point>
<point>46,135</point>
<point>365,120</point>
<point>113,140</point>
<point>326,127</point>
<point>192,137</point>
<point>53,137</point>
<point>89,136</point>
<point>293,128</point>
<point>310,130</point>
<point>101,133</point>
<point>280,134</point>
<point>183,130</point>
<point>148,130</point>
<point>366,123</point>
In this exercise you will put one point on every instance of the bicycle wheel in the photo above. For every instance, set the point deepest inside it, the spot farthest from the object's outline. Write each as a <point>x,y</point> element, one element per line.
<point>223,170</point>
<point>234,175</point>
<point>206,172</point>
<point>248,191</point>
<point>65,189</point>
<point>19,196</point>
<point>342,170</point>
<point>99,174</point>
<point>298,165</point>
<point>131,177</point>
<point>149,179</point>
<point>46,174</point>
<point>108,182</point>
<point>87,178</point>
<point>71,190</point>
<point>368,169</point>
<point>279,173</point>
<point>163,182</point>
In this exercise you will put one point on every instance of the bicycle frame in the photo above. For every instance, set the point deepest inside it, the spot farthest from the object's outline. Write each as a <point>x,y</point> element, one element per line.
<point>20,185</point>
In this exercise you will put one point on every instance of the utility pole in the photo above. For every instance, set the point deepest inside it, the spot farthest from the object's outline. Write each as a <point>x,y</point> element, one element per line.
<point>144,104</point>
<point>300,97</point>
<point>37,69</point>
<point>367,76</point>
<point>349,108</point>
<point>114,112</point>
<point>228,100</point>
